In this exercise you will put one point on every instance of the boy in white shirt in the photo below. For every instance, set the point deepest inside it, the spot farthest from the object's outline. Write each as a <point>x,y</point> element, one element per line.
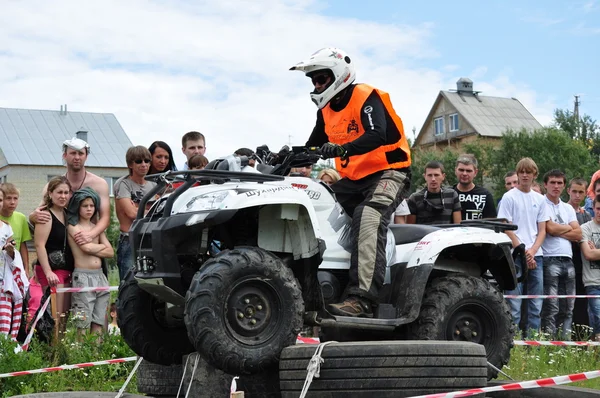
<point>559,272</point>
<point>527,209</point>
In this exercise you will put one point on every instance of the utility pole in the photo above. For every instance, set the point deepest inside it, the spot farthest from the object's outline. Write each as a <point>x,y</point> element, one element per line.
<point>576,114</point>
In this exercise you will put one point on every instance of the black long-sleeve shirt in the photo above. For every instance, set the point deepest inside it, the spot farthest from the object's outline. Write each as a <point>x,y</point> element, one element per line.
<point>375,121</point>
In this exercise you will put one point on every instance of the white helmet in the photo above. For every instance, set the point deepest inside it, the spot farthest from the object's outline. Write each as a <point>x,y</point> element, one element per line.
<point>335,61</point>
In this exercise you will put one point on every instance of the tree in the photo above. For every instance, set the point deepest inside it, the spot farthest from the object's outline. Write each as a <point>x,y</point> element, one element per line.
<point>448,158</point>
<point>585,129</point>
<point>549,147</point>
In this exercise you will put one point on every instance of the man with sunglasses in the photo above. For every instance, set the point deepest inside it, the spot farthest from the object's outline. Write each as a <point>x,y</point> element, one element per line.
<point>75,154</point>
<point>559,271</point>
<point>129,191</point>
<point>434,204</point>
<point>358,126</point>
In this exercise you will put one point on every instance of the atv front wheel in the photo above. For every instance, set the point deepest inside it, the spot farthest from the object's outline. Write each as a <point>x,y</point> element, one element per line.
<point>243,307</point>
<point>464,308</point>
<point>145,329</point>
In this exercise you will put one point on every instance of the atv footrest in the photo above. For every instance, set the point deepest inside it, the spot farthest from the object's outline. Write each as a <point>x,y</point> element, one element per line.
<point>385,311</point>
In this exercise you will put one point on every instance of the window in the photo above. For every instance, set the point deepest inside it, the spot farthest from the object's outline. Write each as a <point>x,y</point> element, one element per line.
<point>438,125</point>
<point>111,183</point>
<point>454,122</point>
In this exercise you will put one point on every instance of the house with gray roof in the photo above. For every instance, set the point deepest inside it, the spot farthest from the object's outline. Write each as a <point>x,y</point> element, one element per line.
<point>464,115</point>
<point>31,148</point>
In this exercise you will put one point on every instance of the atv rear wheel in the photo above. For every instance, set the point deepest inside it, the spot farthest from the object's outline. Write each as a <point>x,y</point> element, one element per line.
<point>243,307</point>
<point>145,329</point>
<point>464,308</point>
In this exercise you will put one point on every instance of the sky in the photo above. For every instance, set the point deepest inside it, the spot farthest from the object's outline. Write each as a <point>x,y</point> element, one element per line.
<point>222,67</point>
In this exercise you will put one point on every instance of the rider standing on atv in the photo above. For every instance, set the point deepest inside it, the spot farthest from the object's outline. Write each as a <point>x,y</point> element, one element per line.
<point>357,125</point>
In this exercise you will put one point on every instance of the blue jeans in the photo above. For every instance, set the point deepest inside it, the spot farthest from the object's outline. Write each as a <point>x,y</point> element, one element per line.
<point>594,308</point>
<point>535,285</point>
<point>124,256</point>
<point>559,278</point>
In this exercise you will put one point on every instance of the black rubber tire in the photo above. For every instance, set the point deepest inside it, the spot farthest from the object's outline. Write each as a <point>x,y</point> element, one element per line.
<point>142,330</point>
<point>209,381</point>
<point>467,304</point>
<point>217,296</point>
<point>158,380</point>
<point>384,369</point>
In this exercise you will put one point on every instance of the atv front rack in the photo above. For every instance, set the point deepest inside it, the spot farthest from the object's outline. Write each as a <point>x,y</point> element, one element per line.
<point>190,177</point>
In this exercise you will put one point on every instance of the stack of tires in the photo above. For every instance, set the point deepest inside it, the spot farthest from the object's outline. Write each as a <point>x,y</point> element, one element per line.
<point>384,369</point>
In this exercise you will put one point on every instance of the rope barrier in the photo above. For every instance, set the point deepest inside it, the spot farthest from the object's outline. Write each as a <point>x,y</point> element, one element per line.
<point>68,367</point>
<point>550,381</point>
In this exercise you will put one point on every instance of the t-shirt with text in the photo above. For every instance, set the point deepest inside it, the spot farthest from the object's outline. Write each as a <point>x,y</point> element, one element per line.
<point>476,204</point>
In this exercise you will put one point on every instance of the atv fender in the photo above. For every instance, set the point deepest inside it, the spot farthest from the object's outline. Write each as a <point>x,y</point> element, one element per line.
<point>408,287</point>
<point>289,228</point>
<point>468,250</point>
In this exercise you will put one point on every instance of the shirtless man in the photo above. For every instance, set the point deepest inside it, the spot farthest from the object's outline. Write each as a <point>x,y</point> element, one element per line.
<point>88,308</point>
<point>75,153</point>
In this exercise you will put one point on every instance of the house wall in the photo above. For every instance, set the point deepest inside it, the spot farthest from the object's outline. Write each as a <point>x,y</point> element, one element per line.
<point>458,144</point>
<point>30,180</point>
<point>444,109</point>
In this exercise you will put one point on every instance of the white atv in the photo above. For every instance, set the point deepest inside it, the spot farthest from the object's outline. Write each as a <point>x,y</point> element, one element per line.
<point>234,262</point>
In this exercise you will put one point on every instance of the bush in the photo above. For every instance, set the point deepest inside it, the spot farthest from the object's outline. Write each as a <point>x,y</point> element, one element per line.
<point>72,349</point>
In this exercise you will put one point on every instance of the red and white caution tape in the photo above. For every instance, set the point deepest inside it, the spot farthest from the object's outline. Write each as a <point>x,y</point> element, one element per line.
<point>68,367</point>
<point>307,340</point>
<point>87,289</point>
<point>549,296</point>
<point>551,381</point>
<point>557,343</point>
<point>40,314</point>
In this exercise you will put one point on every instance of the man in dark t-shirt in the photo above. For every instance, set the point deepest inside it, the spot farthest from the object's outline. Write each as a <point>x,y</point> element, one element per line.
<point>435,204</point>
<point>476,202</point>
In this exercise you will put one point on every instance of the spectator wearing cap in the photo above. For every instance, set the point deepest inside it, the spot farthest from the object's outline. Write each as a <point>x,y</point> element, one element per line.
<point>75,154</point>
<point>129,192</point>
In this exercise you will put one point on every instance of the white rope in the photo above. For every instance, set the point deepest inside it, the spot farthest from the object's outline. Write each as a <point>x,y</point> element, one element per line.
<point>122,390</point>
<point>192,376</point>
<point>314,367</point>
<point>183,377</point>
<point>233,387</point>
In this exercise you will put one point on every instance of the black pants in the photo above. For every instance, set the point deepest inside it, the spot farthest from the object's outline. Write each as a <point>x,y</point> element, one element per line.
<point>370,202</point>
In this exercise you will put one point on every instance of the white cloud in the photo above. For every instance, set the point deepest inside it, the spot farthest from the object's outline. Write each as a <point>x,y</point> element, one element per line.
<point>167,67</point>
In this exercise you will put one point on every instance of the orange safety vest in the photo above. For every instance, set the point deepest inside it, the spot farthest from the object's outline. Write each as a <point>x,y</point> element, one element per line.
<point>345,126</point>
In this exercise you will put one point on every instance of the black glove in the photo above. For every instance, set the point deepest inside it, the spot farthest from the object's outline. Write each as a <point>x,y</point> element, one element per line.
<point>330,150</point>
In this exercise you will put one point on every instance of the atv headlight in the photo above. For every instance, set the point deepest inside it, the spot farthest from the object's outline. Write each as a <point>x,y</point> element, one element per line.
<point>209,201</point>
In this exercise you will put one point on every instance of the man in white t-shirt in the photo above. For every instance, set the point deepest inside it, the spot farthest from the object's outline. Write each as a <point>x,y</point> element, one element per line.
<point>590,250</point>
<point>527,209</point>
<point>401,212</point>
<point>559,272</point>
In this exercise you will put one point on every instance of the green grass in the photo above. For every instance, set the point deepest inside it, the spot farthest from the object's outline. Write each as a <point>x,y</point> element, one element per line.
<point>69,351</point>
<point>532,363</point>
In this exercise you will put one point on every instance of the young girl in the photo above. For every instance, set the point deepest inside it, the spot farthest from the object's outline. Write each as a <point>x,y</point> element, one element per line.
<point>13,282</point>
<point>50,238</point>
